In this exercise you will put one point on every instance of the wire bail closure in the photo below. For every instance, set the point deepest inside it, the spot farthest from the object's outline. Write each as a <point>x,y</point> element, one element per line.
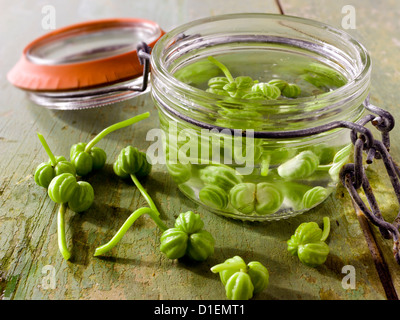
<point>353,175</point>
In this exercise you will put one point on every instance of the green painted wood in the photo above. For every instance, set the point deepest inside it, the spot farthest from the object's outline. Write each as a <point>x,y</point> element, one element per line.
<point>376,28</point>
<point>135,269</point>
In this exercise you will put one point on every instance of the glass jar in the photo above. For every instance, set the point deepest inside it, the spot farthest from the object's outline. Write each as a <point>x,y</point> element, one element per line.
<point>243,158</point>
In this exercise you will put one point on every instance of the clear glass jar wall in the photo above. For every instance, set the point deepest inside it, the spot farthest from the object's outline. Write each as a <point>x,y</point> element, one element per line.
<point>216,147</point>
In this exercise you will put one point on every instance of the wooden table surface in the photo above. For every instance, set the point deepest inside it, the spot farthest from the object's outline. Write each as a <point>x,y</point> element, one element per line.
<point>135,269</point>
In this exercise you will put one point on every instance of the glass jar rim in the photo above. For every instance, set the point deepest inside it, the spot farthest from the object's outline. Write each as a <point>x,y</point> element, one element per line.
<point>333,95</point>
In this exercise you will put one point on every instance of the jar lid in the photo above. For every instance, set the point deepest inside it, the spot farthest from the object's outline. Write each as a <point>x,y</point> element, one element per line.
<point>83,56</point>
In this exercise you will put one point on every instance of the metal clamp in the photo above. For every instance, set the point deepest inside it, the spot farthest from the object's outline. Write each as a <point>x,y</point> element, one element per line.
<point>353,175</point>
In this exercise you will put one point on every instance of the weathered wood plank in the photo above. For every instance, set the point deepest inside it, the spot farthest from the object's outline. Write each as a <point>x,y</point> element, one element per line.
<point>376,28</point>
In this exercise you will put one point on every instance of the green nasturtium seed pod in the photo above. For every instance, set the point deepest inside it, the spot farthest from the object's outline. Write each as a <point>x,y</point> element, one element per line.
<point>187,238</point>
<point>242,197</point>
<point>268,198</point>
<point>45,172</point>
<point>253,96</point>
<point>218,82</point>
<point>189,222</point>
<point>239,286</point>
<point>301,166</point>
<point>118,171</point>
<point>214,197</point>
<point>291,90</point>
<point>259,276</point>
<point>262,198</point>
<point>220,176</point>
<point>200,245</point>
<point>174,243</point>
<point>82,197</point>
<point>220,92</point>
<point>62,188</point>
<point>229,267</point>
<point>338,161</point>
<point>281,84</point>
<point>313,254</point>
<point>83,163</point>
<point>131,161</point>
<point>87,161</point>
<point>269,91</point>
<point>181,173</point>
<point>314,196</point>
<point>146,167</point>
<point>306,232</point>
<point>308,243</point>
<point>99,157</point>
<point>241,281</point>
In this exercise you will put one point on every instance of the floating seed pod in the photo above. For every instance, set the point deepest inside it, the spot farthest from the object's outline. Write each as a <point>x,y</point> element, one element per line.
<point>262,198</point>
<point>217,82</point>
<point>339,160</point>
<point>289,90</point>
<point>242,197</point>
<point>269,91</point>
<point>268,198</point>
<point>314,196</point>
<point>301,166</point>
<point>221,176</point>
<point>214,197</point>
<point>180,172</point>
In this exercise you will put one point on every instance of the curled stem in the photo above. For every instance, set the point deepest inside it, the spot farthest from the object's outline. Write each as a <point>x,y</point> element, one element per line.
<point>145,194</point>
<point>222,67</point>
<point>127,224</point>
<point>114,127</point>
<point>229,266</point>
<point>327,228</point>
<point>62,242</point>
<point>47,149</point>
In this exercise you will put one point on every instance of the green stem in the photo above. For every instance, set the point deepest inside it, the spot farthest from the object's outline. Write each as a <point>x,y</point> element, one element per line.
<point>325,167</point>
<point>327,228</point>
<point>62,242</point>
<point>47,149</point>
<point>222,67</point>
<point>127,224</point>
<point>228,266</point>
<point>266,159</point>
<point>114,127</point>
<point>145,194</point>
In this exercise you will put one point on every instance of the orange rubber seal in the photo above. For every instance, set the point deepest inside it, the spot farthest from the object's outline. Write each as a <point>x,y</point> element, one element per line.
<point>30,76</point>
